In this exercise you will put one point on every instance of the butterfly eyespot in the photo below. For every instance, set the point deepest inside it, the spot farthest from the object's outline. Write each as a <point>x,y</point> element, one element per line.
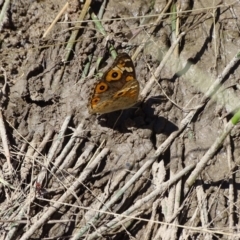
<point>101,87</point>
<point>115,75</point>
<point>95,100</point>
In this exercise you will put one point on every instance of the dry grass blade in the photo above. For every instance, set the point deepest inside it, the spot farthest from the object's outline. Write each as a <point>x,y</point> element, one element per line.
<point>3,132</point>
<point>231,185</point>
<point>4,12</point>
<point>5,141</point>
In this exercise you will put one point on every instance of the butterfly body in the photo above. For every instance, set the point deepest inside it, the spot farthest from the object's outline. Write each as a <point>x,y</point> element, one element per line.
<point>117,89</point>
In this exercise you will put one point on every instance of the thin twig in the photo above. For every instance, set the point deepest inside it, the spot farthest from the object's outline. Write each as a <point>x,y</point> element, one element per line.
<point>3,13</point>
<point>3,131</point>
<point>59,138</point>
<point>231,181</point>
<point>3,134</point>
<point>56,19</point>
<point>149,228</point>
<point>202,206</point>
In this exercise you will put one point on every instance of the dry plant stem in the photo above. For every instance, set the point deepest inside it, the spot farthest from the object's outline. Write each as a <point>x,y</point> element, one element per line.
<point>157,192</point>
<point>43,143</point>
<point>96,153</point>
<point>65,151</point>
<point>164,231</point>
<point>70,158</point>
<point>3,132</point>
<point>99,200</point>
<point>152,29</point>
<point>124,224</point>
<point>3,13</point>
<point>178,211</point>
<point>179,152</point>
<point>176,52</point>
<point>5,141</point>
<point>170,231</point>
<point>216,34</point>
<point>158,234</point>
<point>24,146</point>
<point>175,26</point>
<point>59,138</point>
<point>171,199</point>
<point>177,189</point>
<point>84,156</point>
<point>231,181</point>
<point>27,161</point>
<point>52,209</point>
<point>72,39</point>
<point>158,176</point>
<point>166,234</point>
<point>22,137</point>
<point>156,75</point>
<point>150,225</point>
<point>56,19</point>
<point>11,211</point>
<point>202,205</point>
<point>177,207</point>
<point>40,148</point>
<point>53,149</point>
<point>49,222</point>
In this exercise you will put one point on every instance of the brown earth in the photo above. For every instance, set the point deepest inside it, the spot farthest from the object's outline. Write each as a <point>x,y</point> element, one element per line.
<point>66,165</point>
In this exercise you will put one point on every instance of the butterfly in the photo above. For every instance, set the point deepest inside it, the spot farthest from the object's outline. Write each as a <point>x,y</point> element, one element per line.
<point>117,89</point>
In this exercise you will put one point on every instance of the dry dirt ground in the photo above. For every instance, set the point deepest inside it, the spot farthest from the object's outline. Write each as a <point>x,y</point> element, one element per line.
<point>129,174</point>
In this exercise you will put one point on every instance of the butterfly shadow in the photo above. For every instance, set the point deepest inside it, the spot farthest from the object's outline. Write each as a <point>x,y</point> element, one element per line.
<point>141,116</point>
